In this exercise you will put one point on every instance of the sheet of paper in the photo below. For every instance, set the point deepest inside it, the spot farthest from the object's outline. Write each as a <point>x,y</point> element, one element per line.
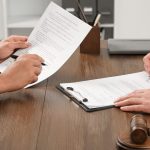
<point>103,92</point>
<point>55,38</point>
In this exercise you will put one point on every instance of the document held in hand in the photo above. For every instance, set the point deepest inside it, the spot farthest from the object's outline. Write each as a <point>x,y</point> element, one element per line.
<point>55,38</point>
<point>100,94</point>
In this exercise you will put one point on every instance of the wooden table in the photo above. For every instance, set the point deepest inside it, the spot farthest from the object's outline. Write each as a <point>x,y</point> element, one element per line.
<point>42,118</point>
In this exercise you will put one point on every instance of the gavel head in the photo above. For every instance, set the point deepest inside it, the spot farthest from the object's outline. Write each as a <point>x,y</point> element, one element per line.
<point>138,132</point>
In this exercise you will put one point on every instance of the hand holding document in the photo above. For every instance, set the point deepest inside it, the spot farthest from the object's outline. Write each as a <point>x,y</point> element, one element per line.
<point>55,38</point>
<point>102,93</point>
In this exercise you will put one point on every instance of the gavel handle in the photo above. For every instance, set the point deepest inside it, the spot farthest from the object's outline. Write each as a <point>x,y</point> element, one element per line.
<point>148,131</point>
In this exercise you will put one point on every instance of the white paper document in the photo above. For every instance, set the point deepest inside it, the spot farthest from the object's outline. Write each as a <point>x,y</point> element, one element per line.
<point>104,92</point>
<point>55,38</point>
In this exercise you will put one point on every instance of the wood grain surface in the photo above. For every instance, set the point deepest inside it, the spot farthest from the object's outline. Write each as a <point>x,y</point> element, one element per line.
<point>42,118</point>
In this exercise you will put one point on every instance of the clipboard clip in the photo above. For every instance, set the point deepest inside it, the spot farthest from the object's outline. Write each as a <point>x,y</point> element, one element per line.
<point>83,98</point>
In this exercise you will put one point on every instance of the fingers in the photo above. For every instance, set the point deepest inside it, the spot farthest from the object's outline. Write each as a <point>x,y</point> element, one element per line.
<point>15,45</point>
<point>8,47</point>
<point>137,101</point>
<point>28,67</point>
<point>36,63</point>
<point>35,58</point>
<point>131,104</point>
<point>37,70</point>
<point>129,101</point>
<point>16,38</point>
<point>122,98</point>
<point>135,94</point>
<point>34,79</point>
<point>135,108</point>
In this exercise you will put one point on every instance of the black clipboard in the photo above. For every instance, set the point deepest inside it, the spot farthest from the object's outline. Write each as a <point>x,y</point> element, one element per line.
<point>82,105</point>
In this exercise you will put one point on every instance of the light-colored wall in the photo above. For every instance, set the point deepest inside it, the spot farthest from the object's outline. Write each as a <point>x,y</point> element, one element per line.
<point>22,7</point>
<point>34,7</point>
<point>132,19</point>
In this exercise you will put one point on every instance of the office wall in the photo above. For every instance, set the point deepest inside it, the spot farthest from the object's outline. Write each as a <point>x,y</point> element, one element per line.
<point>34,7</point>
<point>132,19</point>
<point>21,8</point>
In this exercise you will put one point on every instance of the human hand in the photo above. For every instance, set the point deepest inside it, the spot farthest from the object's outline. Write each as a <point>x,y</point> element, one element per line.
<point>9,45</point>
<point>146,61</point>
<point>23,71</point>
<point>138,101</point>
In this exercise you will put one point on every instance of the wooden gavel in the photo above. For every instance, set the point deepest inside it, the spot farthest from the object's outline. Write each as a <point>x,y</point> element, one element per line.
<point>139,131</point>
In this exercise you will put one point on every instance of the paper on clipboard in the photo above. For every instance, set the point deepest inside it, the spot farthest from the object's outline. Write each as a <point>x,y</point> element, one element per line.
<point>104,92</point>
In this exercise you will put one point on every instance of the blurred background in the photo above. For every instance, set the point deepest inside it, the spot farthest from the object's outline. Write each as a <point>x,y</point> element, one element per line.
<point>20,16</point>
<point>120,19</point>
